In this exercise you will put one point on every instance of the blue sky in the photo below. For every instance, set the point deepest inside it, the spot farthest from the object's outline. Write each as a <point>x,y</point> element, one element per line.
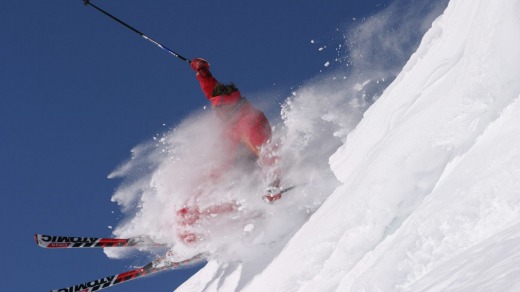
<point>78,91</point>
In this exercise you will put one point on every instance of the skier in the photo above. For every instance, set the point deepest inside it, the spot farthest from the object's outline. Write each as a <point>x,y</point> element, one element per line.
<point>245,127</point>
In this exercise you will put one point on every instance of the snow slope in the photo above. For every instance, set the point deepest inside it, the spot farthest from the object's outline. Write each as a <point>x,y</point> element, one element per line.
<point>430,178</point>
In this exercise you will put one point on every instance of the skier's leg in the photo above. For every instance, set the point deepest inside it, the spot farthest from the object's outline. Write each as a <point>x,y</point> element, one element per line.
<point>255,131</point>
<point>257,134</point>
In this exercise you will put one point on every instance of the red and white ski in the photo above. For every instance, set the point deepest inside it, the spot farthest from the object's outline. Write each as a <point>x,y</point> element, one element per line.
<point>159,264</point>
<point>53,241</point>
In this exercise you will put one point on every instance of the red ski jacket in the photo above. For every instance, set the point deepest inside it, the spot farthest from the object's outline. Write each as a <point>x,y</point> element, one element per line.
<point>245,123</point>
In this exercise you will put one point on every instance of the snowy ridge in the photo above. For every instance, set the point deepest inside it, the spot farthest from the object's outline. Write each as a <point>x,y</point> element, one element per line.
<point>430,178</point>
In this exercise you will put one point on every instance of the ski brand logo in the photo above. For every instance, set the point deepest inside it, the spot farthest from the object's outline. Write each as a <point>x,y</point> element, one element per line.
<point>57,240</point>
<point>90,286</point>
<point>58,245</point>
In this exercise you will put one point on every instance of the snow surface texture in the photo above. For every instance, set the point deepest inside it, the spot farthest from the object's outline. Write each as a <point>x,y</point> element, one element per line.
<point>430,178</point>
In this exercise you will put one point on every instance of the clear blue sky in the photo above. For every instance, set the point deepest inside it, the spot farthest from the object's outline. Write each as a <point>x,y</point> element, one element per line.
<point>78,91</point>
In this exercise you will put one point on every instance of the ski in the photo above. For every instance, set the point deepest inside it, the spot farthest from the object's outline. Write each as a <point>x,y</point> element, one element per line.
<point>283,191</point>
<point>159,264</point>
<point>53,241</point>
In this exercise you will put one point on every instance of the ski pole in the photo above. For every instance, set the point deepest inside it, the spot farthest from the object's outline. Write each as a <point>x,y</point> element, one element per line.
<point>87,2</point>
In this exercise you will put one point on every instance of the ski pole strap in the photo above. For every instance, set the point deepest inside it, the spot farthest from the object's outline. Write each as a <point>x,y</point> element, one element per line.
<point>87,2</point>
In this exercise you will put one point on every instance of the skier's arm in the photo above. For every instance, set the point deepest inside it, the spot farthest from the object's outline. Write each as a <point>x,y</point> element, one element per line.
<point>206,79</point>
